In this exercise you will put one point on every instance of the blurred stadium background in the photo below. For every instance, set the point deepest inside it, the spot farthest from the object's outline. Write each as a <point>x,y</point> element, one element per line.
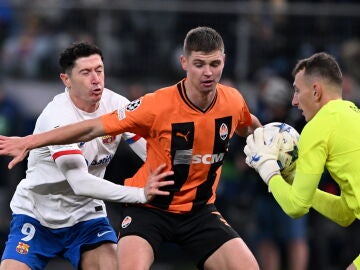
<point>141,41</point>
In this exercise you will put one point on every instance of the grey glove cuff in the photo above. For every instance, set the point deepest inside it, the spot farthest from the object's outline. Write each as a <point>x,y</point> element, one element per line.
<point>268,169</point>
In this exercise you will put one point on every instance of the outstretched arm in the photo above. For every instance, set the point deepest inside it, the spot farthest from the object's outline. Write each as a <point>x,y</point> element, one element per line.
<point>83,183</point>
<point>18,147</point>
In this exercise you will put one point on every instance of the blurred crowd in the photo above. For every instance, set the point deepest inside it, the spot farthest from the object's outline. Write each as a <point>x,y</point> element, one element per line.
<point>141,53</point>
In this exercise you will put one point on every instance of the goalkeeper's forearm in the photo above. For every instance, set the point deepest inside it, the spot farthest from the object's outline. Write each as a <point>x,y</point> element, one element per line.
<point>333,207</point>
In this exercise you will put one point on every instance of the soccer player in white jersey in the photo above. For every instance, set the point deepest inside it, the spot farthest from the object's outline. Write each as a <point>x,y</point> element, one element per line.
<point>329,139</point>
<point>58,209</point>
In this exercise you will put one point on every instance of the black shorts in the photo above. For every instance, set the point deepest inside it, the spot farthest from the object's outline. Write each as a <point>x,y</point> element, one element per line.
<point>199,233</point>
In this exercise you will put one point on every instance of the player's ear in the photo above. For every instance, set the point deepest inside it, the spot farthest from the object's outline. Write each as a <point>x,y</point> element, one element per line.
<point>183,62</point>
<point>317,91</point>
<point>65,79</point>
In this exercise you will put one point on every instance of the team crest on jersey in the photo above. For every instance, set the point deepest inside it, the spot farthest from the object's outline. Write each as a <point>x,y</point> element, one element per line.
<point>126,222</point>
<point>22,248</point>
<point>107,139</point>
<point>223,131</point>
<point>133,105</point>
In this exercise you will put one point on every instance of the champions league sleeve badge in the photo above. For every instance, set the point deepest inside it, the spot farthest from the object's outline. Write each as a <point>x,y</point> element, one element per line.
<point>133,105</point>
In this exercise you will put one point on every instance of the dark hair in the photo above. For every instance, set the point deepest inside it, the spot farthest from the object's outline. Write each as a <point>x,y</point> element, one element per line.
<point>204,39</point>
<point>76,50</point>
<point>320,64</point>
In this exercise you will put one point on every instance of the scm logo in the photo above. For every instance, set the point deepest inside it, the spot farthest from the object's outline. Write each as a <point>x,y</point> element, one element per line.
<point>208,158</point>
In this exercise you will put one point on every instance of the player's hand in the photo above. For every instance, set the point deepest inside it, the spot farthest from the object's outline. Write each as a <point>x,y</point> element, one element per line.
<point>156,181</point>
<point>14,147</point>
<point>261,156</point>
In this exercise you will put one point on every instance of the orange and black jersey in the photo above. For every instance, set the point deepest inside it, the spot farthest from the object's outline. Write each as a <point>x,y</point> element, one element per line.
<point>193,143</point>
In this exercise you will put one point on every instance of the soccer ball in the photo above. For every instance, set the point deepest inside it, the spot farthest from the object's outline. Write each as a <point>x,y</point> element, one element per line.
<point>288,151</point>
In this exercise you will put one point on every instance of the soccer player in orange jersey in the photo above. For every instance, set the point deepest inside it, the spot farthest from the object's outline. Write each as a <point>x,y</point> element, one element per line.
<point>188,127</point>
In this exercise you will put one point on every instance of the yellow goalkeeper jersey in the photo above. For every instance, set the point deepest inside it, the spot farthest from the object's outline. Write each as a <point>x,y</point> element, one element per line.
<point>331,140</point>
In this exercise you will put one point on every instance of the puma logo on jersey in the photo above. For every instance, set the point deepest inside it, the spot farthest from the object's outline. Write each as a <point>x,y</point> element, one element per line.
<point>179,134</point>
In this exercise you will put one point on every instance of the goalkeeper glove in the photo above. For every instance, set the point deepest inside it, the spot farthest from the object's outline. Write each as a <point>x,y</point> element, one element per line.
<point>261,156</point>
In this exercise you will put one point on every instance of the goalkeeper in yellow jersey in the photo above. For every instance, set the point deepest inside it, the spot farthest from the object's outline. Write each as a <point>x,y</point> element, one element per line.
<point>330,140</point>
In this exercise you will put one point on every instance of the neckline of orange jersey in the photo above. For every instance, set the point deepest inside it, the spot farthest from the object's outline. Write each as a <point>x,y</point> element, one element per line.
<point>185,98</point>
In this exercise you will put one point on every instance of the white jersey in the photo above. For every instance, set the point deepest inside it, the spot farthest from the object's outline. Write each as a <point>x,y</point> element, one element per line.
<point>45,194</point>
